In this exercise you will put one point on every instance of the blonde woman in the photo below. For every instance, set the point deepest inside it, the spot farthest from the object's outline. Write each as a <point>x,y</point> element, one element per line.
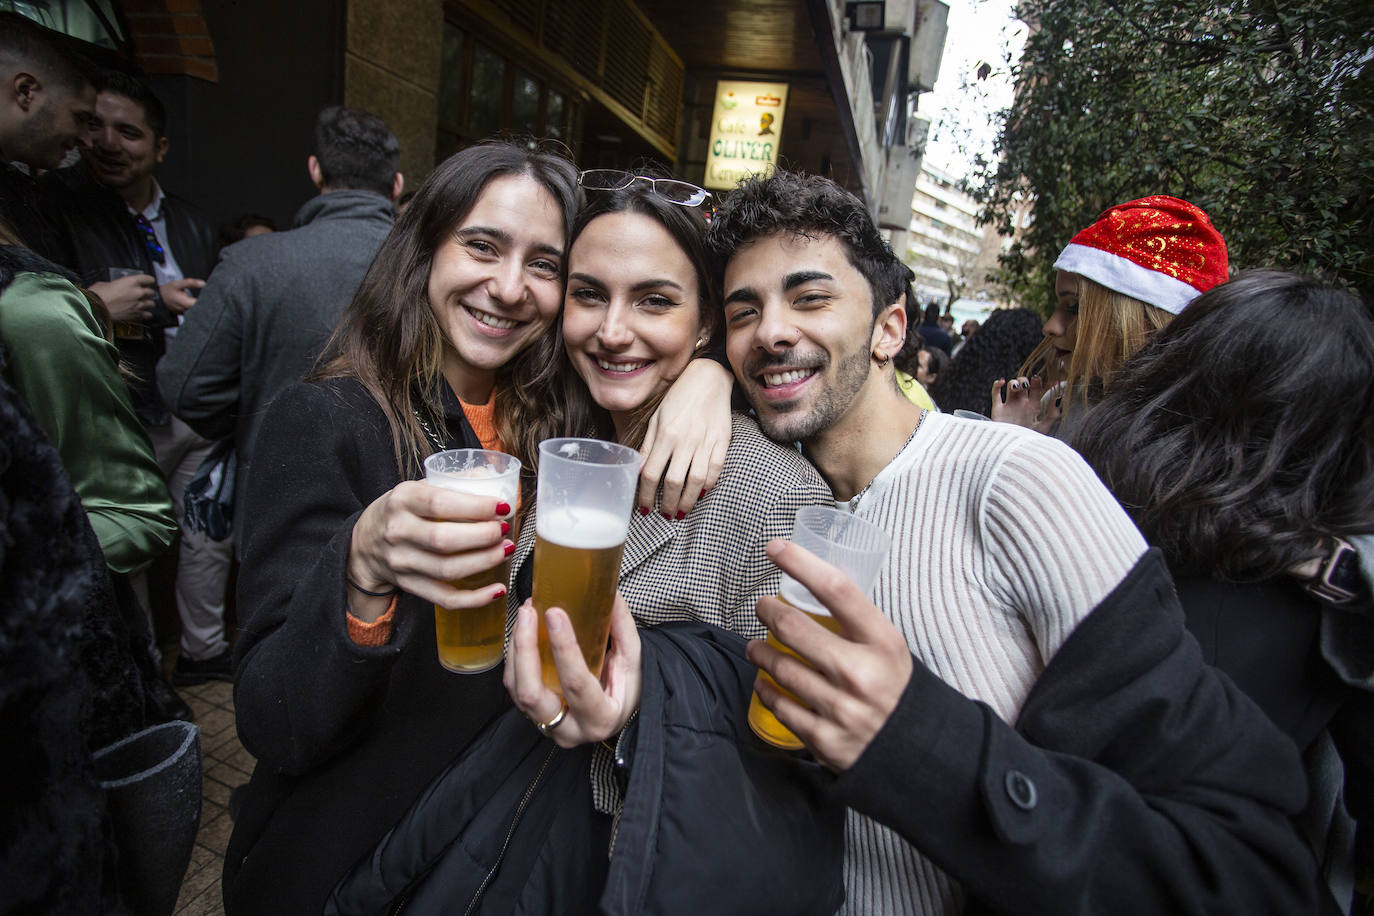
<point>1119,280</point>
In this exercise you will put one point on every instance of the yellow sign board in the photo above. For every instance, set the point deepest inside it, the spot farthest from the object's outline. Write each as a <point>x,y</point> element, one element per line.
<point>745,128</point>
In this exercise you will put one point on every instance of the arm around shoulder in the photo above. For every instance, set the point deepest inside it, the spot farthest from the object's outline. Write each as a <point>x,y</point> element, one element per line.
<point>763,485</point>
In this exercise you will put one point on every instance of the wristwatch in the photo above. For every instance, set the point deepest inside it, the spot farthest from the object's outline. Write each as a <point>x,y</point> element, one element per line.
<point>1334,577</point>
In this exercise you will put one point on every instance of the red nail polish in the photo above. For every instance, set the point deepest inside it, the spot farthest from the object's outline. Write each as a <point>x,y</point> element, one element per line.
<point>681,515</point>
<point>499,594</point>
<point>503,508</point>
<point>510,549</point>
<point>703,495</point>
<point>643,510</point>
<point>667,516</point>
<point>505,528</point>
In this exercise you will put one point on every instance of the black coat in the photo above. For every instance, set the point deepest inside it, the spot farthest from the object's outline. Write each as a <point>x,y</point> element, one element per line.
<point>345,736</point>
<point>1136,779</point>
<point>99,233</point>
<point>1266,636</point>
<point>73,662</point>
<point>714,821</point>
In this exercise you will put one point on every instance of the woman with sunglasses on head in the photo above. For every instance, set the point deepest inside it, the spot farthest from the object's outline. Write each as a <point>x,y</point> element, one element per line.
<point>1247,456</point>
<point>639,305</point>
<point>1118,281</point>
<point>339,693</point>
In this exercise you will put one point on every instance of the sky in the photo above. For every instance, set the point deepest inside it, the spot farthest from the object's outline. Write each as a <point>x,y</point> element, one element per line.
<point>962,109</point>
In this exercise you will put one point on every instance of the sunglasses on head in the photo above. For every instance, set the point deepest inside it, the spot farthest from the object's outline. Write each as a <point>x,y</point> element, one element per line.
<point>670,189</point>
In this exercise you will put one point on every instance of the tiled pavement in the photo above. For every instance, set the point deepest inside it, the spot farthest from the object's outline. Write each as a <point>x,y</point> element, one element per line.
<point>226,765</point>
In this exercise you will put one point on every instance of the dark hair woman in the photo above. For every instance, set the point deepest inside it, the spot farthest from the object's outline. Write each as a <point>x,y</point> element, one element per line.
<point>1241,441</point>
<point>1005,340</point>
<point>639,305</point>
<point>339,692</point>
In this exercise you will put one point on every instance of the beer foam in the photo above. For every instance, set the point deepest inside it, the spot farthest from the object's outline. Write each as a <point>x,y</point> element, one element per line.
<point>799,596</point>
<point>476,481</point>
<point>590,529</point>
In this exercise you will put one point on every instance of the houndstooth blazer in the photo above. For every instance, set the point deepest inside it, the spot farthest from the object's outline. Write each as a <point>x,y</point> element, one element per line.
<point>710,566</point>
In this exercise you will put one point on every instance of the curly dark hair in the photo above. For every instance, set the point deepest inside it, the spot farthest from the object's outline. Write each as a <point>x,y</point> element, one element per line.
<point>809,206</point>
<point>996,351</point>
<point>1243,433</point>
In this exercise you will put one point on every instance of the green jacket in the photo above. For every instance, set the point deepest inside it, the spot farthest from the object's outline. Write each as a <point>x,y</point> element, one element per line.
<point>68,374</point>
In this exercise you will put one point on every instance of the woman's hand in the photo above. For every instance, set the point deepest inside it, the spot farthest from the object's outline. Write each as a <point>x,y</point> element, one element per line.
<point>421,538</point>
<point>596,710</point>
<point>1028,403</point>
<point>1022,402</point>
<point>687,438</point>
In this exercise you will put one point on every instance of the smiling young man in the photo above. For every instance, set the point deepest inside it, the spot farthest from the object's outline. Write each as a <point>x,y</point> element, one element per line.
<point>1016,591</point>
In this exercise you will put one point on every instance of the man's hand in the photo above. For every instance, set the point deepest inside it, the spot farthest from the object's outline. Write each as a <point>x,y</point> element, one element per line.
<point>177,294</point>
<point>128,299</point>
<point>850,682</point>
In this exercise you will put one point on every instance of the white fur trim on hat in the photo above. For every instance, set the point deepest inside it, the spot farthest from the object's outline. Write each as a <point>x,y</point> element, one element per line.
<point>1126,276</point>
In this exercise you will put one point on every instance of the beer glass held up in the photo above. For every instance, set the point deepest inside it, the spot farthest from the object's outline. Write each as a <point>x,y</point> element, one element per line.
<point>856,547</point>
<point>585,494</point>
<point>473,640</point>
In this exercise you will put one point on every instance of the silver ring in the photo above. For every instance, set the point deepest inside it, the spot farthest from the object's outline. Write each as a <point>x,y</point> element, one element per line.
<point>546,728</point>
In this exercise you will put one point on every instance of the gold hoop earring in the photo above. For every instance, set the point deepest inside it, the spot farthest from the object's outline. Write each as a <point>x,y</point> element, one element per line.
<point>701,342</point>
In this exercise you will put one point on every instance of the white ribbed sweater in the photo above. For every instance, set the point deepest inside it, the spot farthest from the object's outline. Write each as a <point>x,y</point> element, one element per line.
<point>1002,541</point>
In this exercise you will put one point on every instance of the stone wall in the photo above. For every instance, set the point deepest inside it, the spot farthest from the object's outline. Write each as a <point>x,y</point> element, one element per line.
<point>391,68</point>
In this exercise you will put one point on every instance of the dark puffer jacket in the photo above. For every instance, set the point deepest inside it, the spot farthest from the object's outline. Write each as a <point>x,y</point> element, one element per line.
<point>70,678</point>
<point>713,821</point>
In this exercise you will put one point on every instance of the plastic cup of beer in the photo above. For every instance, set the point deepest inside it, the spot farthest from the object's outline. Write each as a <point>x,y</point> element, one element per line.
<point>858,548</point>
<point>472,640</point>
<point>586,491</point>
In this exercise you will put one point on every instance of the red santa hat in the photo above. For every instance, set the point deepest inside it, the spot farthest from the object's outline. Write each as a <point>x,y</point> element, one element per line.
<point>1160,250</point>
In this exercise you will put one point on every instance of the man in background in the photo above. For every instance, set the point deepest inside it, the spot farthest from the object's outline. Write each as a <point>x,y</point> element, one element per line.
<point>146,254</point>
<point>275,299</point>
<point>46,98</point>
<point>931,332</point>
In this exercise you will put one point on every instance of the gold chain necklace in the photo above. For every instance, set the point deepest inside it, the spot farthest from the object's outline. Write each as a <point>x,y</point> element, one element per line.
<point>437,441</point>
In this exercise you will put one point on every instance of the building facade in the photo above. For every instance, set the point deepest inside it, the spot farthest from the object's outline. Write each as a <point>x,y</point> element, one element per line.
<point>616,83</point>
<point>948,251</point>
